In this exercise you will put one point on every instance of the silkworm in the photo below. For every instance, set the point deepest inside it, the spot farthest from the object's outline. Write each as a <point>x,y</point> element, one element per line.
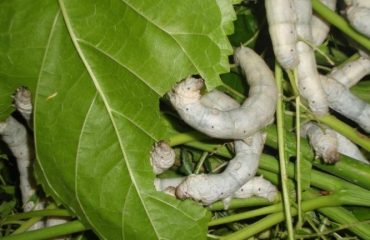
<point>320,28</point>
<point>323,141</point>
<point>281,18</point>
<point>14,134</point>
<point>309,83</point>
<point>346,147</point>
<point>162,157</point>
<point>358,15</point>
<point>255,113</point>
<point>208,188</point>
<point>22,102</point>
<point>344,102</point>
<point>308,78</point>
<point>328,143</point>
<point>352,72</point>
<point>303,10</point>
<point>256,186</point>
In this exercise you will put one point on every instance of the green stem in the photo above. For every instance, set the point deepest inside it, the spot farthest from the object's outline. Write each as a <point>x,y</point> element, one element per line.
<point>49,232</point>
<point>241,203</point>
<point>346,130</point>
<point>200,162</point>
<point>273,219</point>
<point>26,225</point>
<point>343,216</point>
<point>38,213</point>
<point>337,21</point>
<point>248,214</point>
<point>281,148</point>
<point>346,197</point>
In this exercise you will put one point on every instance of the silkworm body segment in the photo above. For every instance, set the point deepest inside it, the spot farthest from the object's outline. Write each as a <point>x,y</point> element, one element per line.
<point>208,188</point>
<point>238,123</point>
<point>282,19</point>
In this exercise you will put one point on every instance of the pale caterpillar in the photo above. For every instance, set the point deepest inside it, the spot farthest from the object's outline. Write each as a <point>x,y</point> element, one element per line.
<point>14,134</point>
<point>22,102</point>
<point>256,186</point>
<point>321,28</point>
<point>323,141</point>
<point>162,157</point>
<point>358,15</point>
<point>255,113</point>
<point>281,18</point>
<point>308,78</point>
<point>328,143</point>
<point>344,102</point>
<point>352,72</point>
<point>208,188</point>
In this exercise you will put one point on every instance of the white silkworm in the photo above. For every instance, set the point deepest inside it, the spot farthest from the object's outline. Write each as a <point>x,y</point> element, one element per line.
<point>257,186</point>
<point>14,134</point>
<point>323,141</point>
<point>346,147</point>
<point>281,18</point>
<point>303,10</point>
<point>344,102</point>
<point>319,27</point>
<point>328,143</point>
<point>352,72</point>
<point>219,100</point>
<point>162,157</point>
<point>308,78</point>
<point>309,83</point>
<point>255,113</point>
<point>208,188</point>
<point>358,15</point>
<point>22,102</point>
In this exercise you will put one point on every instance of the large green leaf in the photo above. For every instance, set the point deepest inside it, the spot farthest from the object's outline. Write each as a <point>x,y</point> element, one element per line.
<point>98,69</point>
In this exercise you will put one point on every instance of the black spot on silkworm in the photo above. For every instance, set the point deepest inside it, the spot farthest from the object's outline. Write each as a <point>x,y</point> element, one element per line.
<point>259,189</point>
<point>244,131</point>
<point>213,126</point>
<point>291,31</point>
<point>304,88</point>
<point>187,109</point>
<point>241,189</point>
<point>291,50</point>
<point>249,174</point>
<point>188,88</point>
<point>222,193</point>
<point>313,101</point>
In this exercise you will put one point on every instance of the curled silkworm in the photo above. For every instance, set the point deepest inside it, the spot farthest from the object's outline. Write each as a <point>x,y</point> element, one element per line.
<point>323,141</point>
<point>239,123</point>
<point>309,83</point>
<point>281,18</point>
<point>344,102</point>
<point>23,102</point>
<point>162,157</point>
<point>320,28</point>
<point>208,188</point>
<point>358,15</point>
<point>352,72</point>
<point>257,186</point>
